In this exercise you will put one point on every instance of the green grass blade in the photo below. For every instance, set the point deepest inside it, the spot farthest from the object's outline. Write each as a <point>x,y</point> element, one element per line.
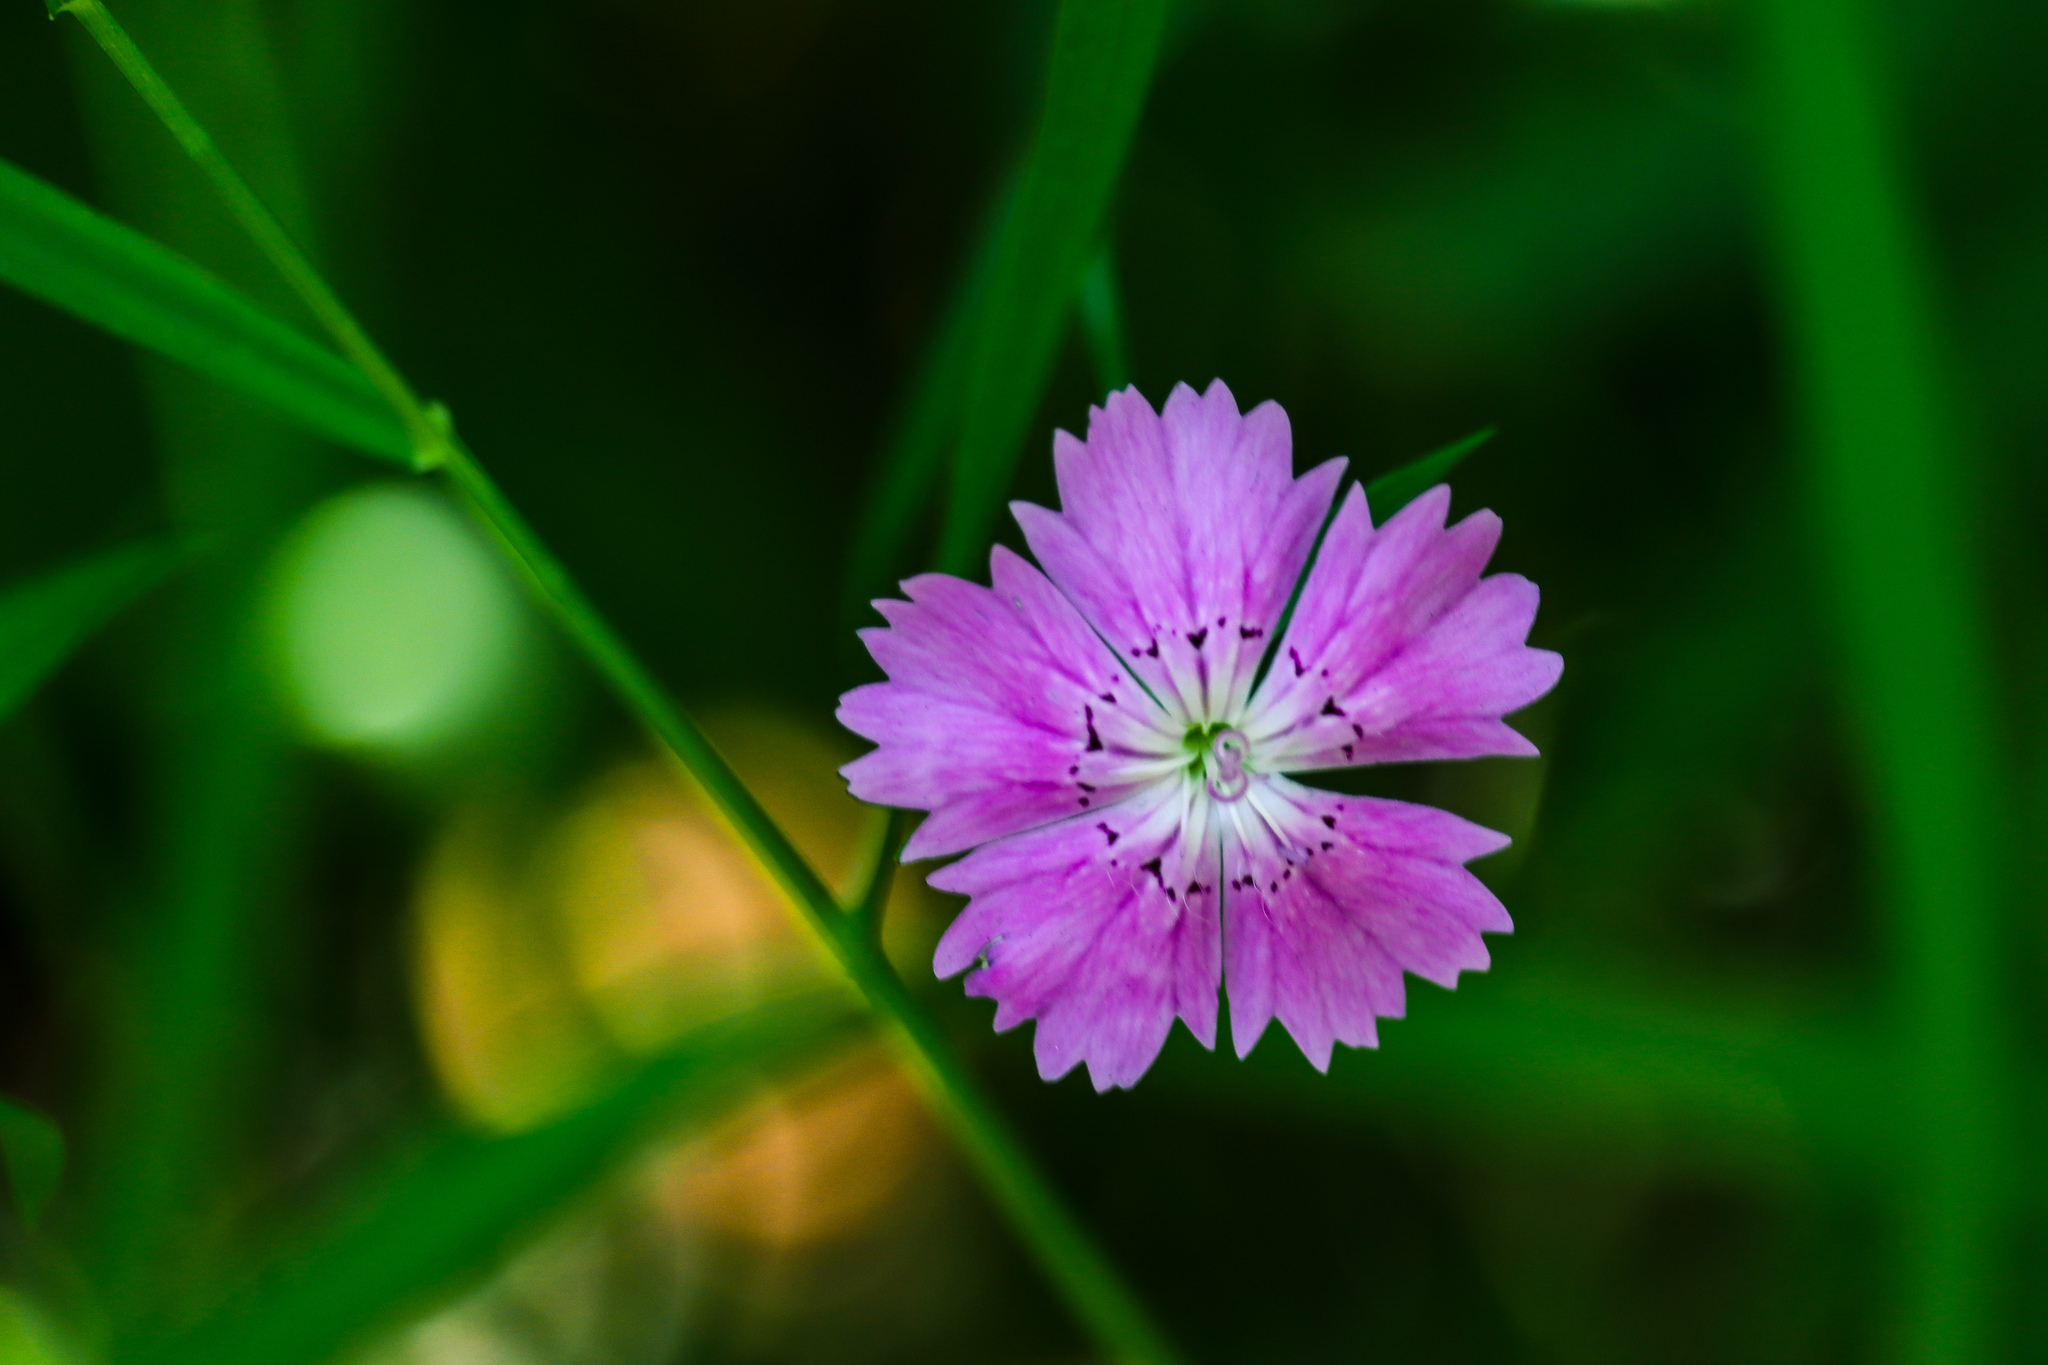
<point>1087,1280</point>
<point>262,226</point>
<point>1102,60</point>
<point>34,1152</point>
<point>1078,1269</point>
<point>68,255</point>
<point>1396,488</point>
<point>43,621</point>
<point>1883,456</point>
<point>1102,324</point>
<point>443,1214</point>
<point>1555,1051</point>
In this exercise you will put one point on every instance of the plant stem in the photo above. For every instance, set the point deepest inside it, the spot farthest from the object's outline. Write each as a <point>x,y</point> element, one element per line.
<point>261,225</point>
<point>1085,1277</point>
<point>874,897</point>
<point>1090,1284</point>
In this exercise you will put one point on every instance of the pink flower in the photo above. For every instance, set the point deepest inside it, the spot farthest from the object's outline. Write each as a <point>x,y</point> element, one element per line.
<point>1092,733</point>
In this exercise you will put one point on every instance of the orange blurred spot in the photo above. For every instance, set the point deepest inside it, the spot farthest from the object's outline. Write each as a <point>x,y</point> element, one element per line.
<point>635,916</point>
<point>804,1165</point>
<point>669,920</point>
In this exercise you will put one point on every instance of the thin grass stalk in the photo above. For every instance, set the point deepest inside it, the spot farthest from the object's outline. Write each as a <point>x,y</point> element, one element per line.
<point>1086,1279</point>
<point>259,222</point>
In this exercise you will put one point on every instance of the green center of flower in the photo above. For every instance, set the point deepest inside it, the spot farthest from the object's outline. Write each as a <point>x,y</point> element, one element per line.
<point>1219,758</point>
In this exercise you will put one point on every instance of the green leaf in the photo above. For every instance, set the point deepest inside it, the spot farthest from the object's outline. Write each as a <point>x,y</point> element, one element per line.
<point>70,256</point>
<point>1897,543</point>
<point>1552,1051</point>
<point>443,1214</point>
<point>1102,60</point>
<point>1396,488</point>
<point>43,621</point>
<point>34,1149</point>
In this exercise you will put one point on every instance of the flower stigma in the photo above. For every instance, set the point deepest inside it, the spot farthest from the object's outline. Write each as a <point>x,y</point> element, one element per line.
<point>1223,763</point>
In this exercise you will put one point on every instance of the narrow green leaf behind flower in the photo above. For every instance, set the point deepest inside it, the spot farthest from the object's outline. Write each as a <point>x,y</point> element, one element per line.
<point>76,259</point>
<point>1102,60</point>
<point>43,621</point>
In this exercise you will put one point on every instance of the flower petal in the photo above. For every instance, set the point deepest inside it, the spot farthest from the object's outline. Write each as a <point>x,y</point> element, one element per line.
<point>1103,930</point>
<point>1002,712</point>
<point>1328,899</point>
<point>1398,650</point>
<point>1181,536</point>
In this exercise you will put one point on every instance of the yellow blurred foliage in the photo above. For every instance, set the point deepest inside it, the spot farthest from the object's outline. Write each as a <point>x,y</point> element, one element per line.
<point>803,1165</point>
<point>549,953</point>
<point>508,1035</point>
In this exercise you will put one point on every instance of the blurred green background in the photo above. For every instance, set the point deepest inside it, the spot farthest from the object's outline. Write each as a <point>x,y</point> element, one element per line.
<point>673,264</point>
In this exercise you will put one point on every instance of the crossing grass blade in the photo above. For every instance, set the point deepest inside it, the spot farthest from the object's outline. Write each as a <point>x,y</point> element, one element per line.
<point>1083,1275</point>
<point>439,1216</point>
<point>44,620</point>
<point>1883,455</point>
<point>76,259</point>
<point>33,1149</point>
<point>1102,60</point>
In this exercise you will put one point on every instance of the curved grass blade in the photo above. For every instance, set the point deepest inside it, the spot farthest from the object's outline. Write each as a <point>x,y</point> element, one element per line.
<point>1883,451</point>
<point>1102,59</point>
<point>1396,488</point>
<point>43,621</point>
<point>76,259</point>
<point>34,1151</point>
<point>442,1215</point>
